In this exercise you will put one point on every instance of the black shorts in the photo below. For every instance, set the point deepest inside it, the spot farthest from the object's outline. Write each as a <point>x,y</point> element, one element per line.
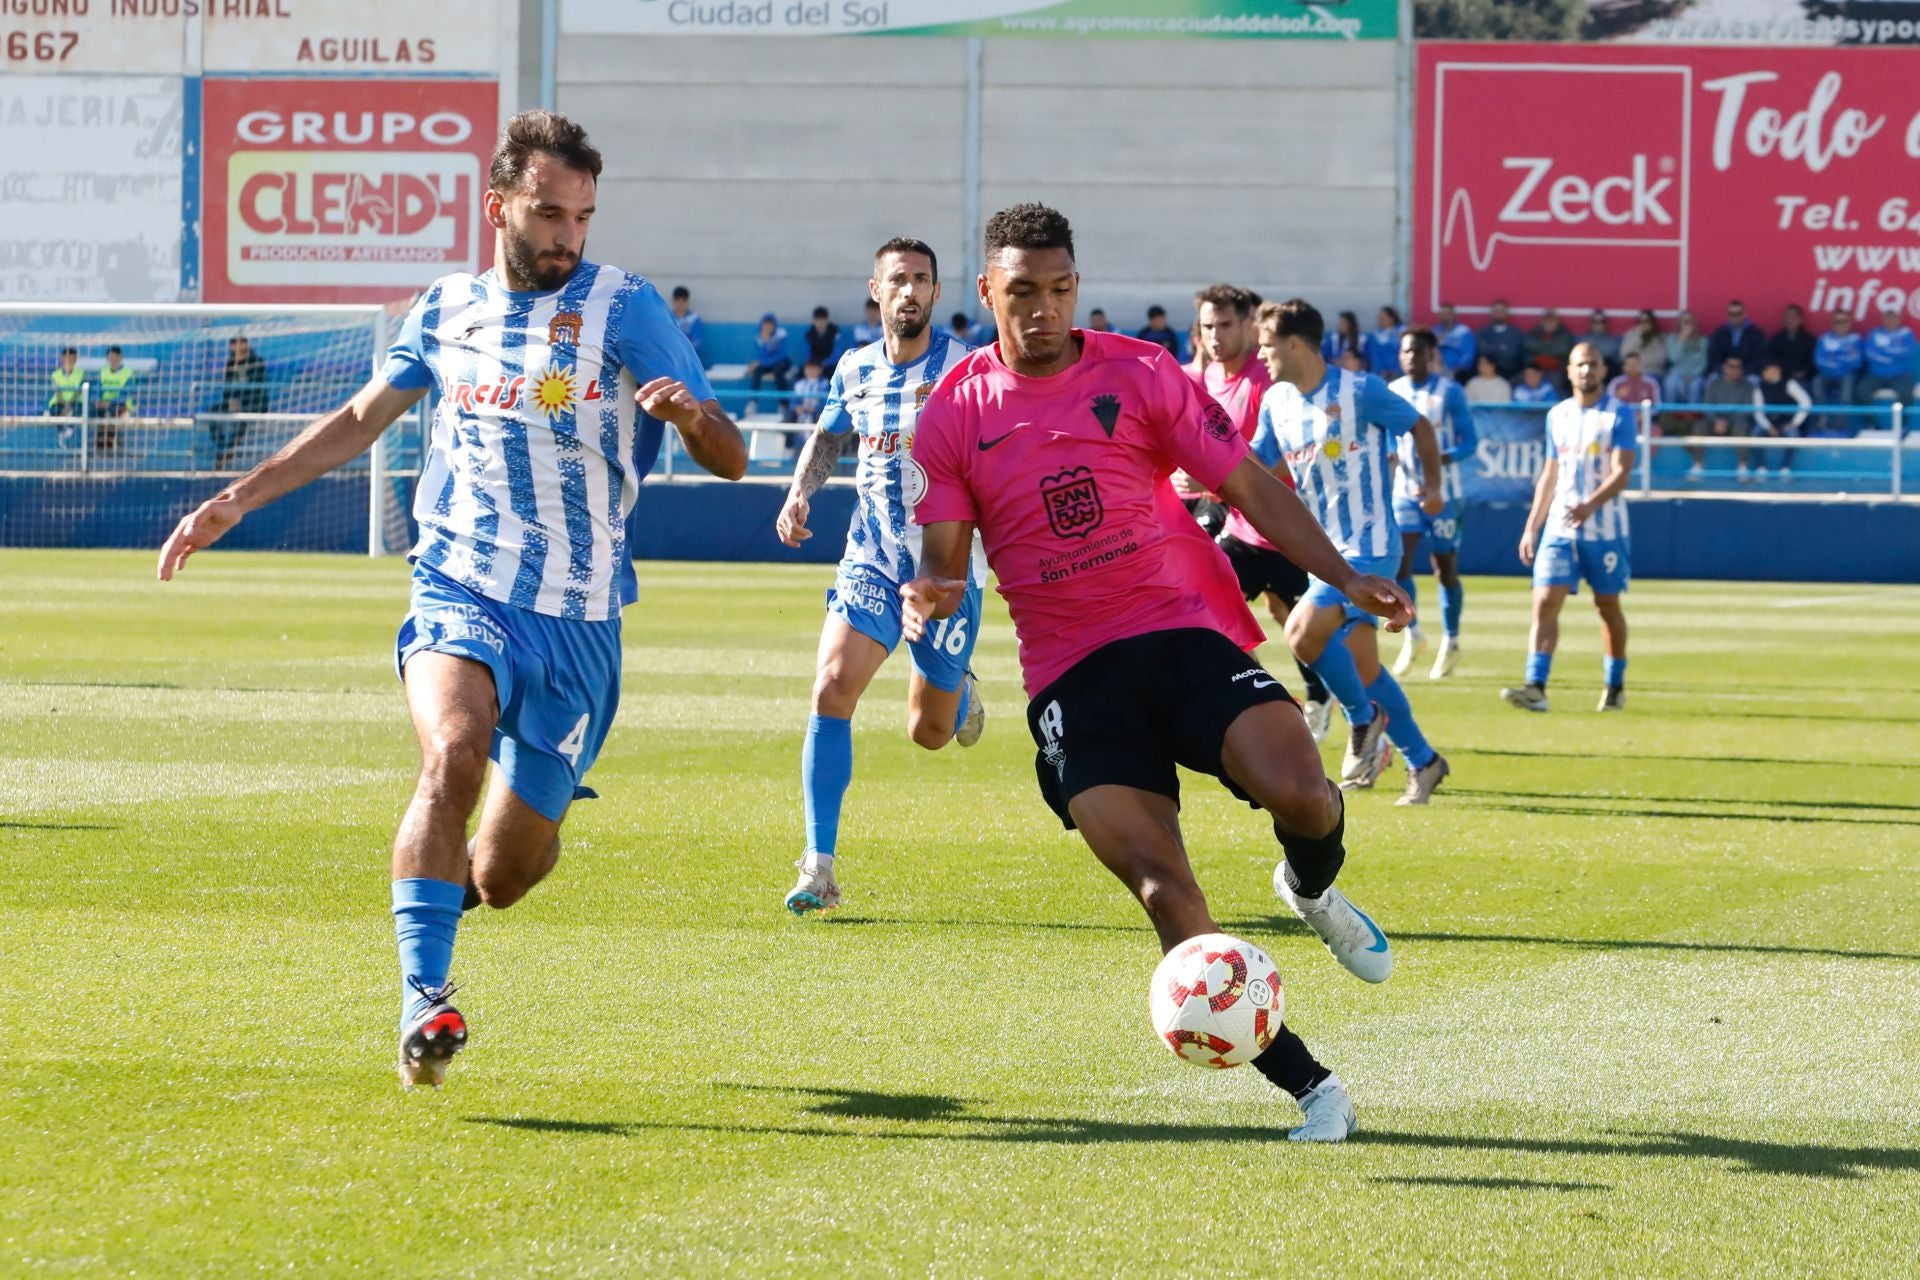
<point>1261,570</point>
<point>1130,711</point>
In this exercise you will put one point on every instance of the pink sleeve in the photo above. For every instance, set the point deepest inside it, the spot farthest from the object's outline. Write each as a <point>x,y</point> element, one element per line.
<point>937,451</point>
<point>1194,431</point>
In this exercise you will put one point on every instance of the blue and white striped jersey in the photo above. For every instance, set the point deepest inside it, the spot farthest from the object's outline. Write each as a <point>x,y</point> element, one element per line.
<point>1338,442</point>
<point>537,448</point>
<point>1440,401</point>
<point>881,401</point>
<point>1583,441</point>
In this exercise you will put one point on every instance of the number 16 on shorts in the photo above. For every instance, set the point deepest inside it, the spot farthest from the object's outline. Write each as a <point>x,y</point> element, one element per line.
<point>944,651</point>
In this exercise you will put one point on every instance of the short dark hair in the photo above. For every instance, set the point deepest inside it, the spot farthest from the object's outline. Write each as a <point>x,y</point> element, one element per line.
<point>1028,226</point>
<point>113,351</point>
<point>1097,311</point>
<point>539,132</point>
<point>1294,318</point>
<point>907,244</point>
<point>821,313</point>
<point>959,320</point>
<point>1156,312</point>
<point>70,351</point>
<point>681,291</point>
<point>1423,338</point>
<point>1244,301</point>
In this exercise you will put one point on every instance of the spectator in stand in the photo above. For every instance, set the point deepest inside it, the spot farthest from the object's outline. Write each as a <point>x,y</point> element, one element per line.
<point>1158,331</point>
<point>869,330</point>
<point>809,394</point>
<point>823,340</point>
<point>770,359</point>
<point>245,383</point>
<point>1548,346</point>
<point>69,394</point>
<point>689,320</point>
<point>1738,337</point>
<point>966,330</point>
<point>1533,387</point>
<point>1837,360</point>
<point>1890,361</point>
<point>1602,337</point>
<point>1785,404</point>
<point>1457,349</point>
<point>1487,386</point>
<point>1792,347</point>
<point>1344,338</point>
<point>1734,401</point>
<point>1635,385</point>
<point>1097,321</point>
<point>1506,345</point>
<point>1646,341</point>
<point>1382,346</point>
<point>114,401</point>
<point>1686,361</point>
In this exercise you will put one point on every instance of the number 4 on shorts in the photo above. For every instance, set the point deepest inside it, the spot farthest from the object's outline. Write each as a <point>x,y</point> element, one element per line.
<point>574,743</point>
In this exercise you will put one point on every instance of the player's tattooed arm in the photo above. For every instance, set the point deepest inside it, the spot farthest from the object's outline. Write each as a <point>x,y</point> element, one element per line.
<point>818,457</point>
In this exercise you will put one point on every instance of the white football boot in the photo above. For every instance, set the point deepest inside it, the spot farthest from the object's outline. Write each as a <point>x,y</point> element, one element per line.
<point>1421,782</point>
<point>1368,752</point>
<point>1528,697</point>
<point>1412,645</point>
<point>1446,660</point>
<point>1329,1114</point>
<point>815,890</point>
<point>1353,938</point>
<point>976,722</point>
<point>1319,717</point>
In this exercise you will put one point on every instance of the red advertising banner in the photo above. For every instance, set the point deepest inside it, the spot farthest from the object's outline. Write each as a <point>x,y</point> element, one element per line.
<point>1590,176</point>
<point>343,190</point>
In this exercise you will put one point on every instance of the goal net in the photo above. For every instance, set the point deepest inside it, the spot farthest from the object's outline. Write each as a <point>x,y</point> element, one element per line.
<point>116,421</point>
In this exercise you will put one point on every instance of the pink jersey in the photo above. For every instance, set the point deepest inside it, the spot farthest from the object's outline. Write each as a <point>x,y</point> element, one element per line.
<point>1066,479</point>
<point>1239,394</point>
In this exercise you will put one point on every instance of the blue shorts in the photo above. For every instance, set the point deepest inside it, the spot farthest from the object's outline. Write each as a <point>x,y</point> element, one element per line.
<point>869,601</point>
<point>557,681</point>
<point>1443,529</point>
<point>1320,594</point>
<point>1562,562</point>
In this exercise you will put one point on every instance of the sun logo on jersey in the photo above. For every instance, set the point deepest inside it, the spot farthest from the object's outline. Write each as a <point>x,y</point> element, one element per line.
<point>555,392</point>
<point>1332,449</point>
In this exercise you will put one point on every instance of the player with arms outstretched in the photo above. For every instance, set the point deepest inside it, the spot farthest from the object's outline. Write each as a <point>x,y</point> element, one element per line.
<point>511,647</point>
<point>1591,445</point>
<point>1057,443</point>
<point>876,394</point>
<point>1442,402</point>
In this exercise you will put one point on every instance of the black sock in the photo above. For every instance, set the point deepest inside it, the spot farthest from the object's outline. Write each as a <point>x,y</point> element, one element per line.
<point>1316,687</point>
<point>1290,1064</point>
<point>1313,863</point>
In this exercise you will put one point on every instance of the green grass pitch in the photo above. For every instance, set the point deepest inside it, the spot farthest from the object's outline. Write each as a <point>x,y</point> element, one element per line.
<point>1656,1009</point>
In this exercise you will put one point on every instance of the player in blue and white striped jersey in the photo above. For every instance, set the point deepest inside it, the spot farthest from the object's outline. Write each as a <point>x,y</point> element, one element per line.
<point>1337,429</point>
<point>511,648</point>
<point>1578,501</point>
<point>876,396</point>
<point>1440,400</point>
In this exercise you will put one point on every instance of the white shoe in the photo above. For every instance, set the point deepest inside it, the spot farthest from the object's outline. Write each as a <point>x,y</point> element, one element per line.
<point>1354,939</point>
<point>1696,472</point>
<point>1765,474</point>
<point>1319,718</point>
<point>1528,697</point>
<point>1742,475</point>
<point>1612,699</point>
<point>976,722</point>
<point>1328,1111</point>
<point>1368,752</point>
<point>1446,660</point>
<point>816,891</point>
<point>1412,645</point>
<point>1422,781</point>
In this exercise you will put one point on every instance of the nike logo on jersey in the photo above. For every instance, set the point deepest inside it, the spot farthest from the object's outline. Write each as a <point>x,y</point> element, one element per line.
<point>1000,439</point>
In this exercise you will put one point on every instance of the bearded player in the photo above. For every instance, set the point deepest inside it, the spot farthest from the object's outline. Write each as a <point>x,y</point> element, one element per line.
<point>1056,444</point>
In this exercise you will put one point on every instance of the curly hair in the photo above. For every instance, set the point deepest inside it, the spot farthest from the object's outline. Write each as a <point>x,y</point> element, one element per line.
<point>1028,226</point>
<point>544,133</point>
<point>1243,301</point>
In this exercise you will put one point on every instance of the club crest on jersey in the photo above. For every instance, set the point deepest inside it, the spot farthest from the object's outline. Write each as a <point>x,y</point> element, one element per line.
<point>1072,499</point>
<point>564,329</point>
<point>920,394</point>
<point>1106,411</point>
<point>1218,423</point>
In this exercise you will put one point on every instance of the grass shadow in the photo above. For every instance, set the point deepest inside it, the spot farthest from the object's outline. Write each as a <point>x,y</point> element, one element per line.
<point>1497,1184</point>
<point>1868,805</point>
<point>10,825</point>
<point>1585,756</point>
<point>1288,924</point>
<point>1626,809</point>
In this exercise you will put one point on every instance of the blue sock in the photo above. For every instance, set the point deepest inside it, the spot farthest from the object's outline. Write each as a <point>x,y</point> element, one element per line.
<point>826,769</point>
<point>426,914</point>
<point>960,716</point>
<point>1411,586</point>
<point>1538,665</point>
<point>1402,730</point>
<point>1452,600</point>
<point>1616,670</point>
<point>1338,671</point>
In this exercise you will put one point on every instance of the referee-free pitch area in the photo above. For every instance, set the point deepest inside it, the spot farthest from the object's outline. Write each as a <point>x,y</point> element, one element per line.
<point>1656,1007</point>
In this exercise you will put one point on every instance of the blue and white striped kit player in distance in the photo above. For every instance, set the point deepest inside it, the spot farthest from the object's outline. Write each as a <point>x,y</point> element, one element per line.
<point>1441,401</point>
<point>1337,430</point>
<point>876,396</point>
<point>552,377</point>
<point>1577,528</point>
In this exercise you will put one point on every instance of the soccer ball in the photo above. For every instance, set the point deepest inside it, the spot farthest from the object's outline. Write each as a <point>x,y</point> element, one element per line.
<point>1216,1001</point>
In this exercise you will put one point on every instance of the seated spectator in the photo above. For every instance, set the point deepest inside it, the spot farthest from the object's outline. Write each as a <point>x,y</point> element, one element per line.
<point>869,330</point>
<point>1548,346</point>
<point>823,339</point>
<point>965,330</point>
<point>1838,357</point>
<point>1635,386</point>
<point>1382,346</point>
<point>1686,361</point>
<point>1506,345</point>
<point>69,395</point>
<point>115,400</point>
<point>1792,347</point>
<point>689,320</point>
<point>1890,361</point>
<point>1733,402</point>
<point>1786,403</point>
<point>1159,332</point>
<point>1737,338</point>
<point>1487,386</point>
<point>1344,338</point>
<point>1533,387</point>
<point>1600,334</point>
<point>1457,348</point>
<point>245,380</point>
<point>1647,341</point>
<point>1097,321</point>
<point>770,358</point>
<point>809,394</point>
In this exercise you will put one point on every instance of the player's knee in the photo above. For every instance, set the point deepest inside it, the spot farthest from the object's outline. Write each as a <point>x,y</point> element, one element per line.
<point>500,886</point>
<point>1165,892</point>
<point>833,693</point>
<point>453,767</point>
<point>928,731</point>
<point>1300,638</point>
<point>1304,804</point>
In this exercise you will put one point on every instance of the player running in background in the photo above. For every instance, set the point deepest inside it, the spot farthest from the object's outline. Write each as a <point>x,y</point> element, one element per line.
<point>511,647</point>
<point>1441,401</point>
<point>877,394</point>
<point>1056,443</point>
<point>1591,441</point>
<point>1227,366</point>
<point>1336,429</point>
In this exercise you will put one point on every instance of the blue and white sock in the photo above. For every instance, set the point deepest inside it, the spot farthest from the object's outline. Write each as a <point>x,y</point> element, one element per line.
<point>1341,674</point>
<point>1616,672</point>
<point>426,916</point>
<point>1452,600</point>
<point>1539,665</point>
<point>1402,730</point>
<point>826,770</point>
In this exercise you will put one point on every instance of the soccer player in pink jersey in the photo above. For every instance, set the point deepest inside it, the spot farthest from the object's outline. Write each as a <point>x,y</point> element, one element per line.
<point>1056,443</point>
